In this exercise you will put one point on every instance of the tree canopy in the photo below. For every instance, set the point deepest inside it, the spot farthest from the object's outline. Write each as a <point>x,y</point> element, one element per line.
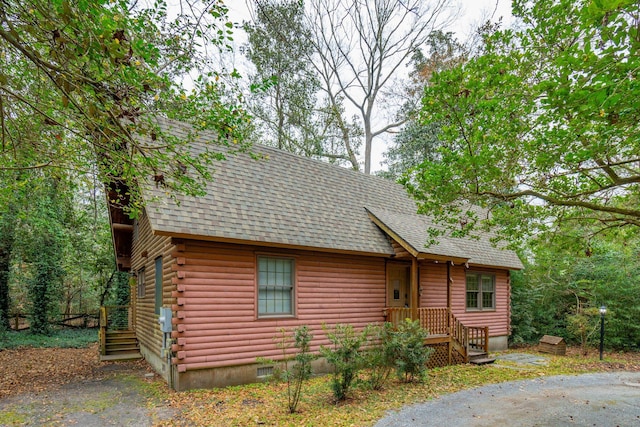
<point>418,141</point>
<point>79,79</point>
<point>542,126</point>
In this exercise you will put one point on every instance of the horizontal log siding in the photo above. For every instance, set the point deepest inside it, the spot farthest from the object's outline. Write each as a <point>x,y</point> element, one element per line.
<point>433,283</point>
<point>216,321</point>
<point>497,320</point>
<point>147,327</point>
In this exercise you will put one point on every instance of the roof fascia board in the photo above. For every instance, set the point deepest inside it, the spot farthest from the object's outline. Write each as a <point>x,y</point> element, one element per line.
<point>413,251</point>
<point>188,236</point>
<point>405,245</point>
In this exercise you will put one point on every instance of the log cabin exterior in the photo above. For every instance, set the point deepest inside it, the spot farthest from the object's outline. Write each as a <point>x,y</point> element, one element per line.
<point>286,241</point>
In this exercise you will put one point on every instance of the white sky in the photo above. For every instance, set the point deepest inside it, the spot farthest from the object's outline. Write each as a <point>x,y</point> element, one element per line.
<point>473,13</point>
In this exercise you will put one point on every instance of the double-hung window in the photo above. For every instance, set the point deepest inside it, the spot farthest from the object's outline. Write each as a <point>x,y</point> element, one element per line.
<point>481,291</point>
<point>275,286</point>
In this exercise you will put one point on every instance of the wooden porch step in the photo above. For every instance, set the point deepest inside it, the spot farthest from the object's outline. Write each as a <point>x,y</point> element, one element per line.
<point>482,360</point>
<point>110,341</point>
<point>121,334</point>
<point>123,356</point>
<point>122,348</point>
<point>476,354</point>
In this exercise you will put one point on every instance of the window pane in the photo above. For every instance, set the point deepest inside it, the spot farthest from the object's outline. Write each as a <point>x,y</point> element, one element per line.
<point>487,300</point>
<point>472,282</point>
<point>472,300</point>
<point>262,277</point>
<point>275,285</point>
<point>487,283</point>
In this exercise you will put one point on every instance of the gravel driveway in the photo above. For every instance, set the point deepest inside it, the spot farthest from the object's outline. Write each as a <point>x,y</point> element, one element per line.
<point>603,399</point>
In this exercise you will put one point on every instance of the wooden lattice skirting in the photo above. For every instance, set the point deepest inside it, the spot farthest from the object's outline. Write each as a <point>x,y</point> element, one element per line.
<point>440,356</point>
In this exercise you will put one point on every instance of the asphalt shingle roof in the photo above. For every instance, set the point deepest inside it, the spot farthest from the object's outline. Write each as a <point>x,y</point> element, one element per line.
<point>413,229</point>
<point>288,200</point>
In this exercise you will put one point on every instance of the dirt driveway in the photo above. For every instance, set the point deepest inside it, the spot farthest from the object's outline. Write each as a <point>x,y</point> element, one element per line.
<point>37,389</point>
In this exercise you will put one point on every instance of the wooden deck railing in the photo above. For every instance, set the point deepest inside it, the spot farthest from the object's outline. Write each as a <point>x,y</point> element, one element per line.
<point>435,320</point>
<point>396,315</point>
<point>479,338</point>
<point>441,321</point>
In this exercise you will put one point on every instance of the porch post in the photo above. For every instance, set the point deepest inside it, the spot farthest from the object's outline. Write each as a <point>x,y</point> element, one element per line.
<point>414,288</point>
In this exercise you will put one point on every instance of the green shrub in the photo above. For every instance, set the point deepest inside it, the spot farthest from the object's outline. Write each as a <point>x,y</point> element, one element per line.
<point>345,356</point>
<point>406,346</point>
<point>294,370</point>
<point>378,357</point>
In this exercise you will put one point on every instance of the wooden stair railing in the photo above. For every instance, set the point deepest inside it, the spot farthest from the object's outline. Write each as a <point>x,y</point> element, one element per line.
<point>442,322</point>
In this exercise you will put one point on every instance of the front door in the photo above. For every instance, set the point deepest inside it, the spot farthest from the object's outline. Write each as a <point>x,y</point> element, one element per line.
<point>398,292</point>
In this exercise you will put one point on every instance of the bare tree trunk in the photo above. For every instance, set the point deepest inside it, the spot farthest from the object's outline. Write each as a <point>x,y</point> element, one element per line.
<point>360,45</point>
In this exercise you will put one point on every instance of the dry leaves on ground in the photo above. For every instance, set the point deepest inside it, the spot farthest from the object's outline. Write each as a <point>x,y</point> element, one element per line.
<point>38,369</point>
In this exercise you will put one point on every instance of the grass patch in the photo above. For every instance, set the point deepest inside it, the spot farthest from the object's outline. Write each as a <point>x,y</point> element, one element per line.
<point>265,404</point>
<point>61,338</point>
<point>12,418</point>
<point>154,390</point>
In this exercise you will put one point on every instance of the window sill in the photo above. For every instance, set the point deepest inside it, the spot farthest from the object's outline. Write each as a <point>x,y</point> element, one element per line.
<point>275,316</point>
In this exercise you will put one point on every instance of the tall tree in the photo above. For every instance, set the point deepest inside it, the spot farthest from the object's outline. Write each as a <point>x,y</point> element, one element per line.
<point>417,142</point>
<point>43,241</point>
<point>79,79</point>
<point>542,127</point>
<point>360,47</point>
<point>286,109</point>
<point>279,51</point>
<point>8,222</point>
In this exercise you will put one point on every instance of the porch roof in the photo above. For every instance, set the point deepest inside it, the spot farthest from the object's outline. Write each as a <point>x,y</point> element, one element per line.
<point>411,231</point>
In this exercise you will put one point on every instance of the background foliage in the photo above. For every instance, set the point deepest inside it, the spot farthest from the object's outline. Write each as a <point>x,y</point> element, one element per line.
<point>561,289</point>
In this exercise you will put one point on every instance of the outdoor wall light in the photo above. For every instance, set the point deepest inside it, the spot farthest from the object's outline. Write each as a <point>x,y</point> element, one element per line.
<point>603,311</point>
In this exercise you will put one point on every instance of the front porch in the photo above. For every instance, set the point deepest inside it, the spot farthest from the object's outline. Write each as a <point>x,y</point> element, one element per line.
<point>453,341</point>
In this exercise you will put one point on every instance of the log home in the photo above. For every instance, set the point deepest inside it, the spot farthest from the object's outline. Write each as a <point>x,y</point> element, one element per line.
<point>286,241</point>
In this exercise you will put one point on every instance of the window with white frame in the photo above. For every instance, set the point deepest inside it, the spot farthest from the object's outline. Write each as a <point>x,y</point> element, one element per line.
<point>481,291</point>
<point>275,286</point>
